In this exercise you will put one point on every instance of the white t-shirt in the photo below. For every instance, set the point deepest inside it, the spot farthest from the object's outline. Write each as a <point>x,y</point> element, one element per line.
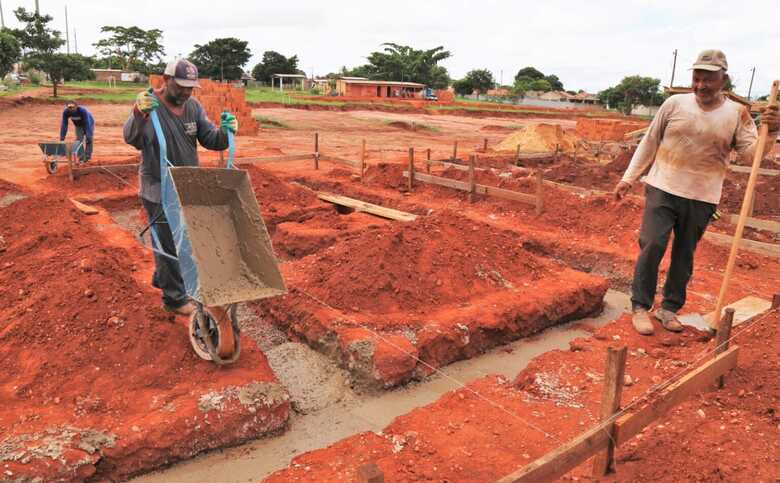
<point>689,148</point>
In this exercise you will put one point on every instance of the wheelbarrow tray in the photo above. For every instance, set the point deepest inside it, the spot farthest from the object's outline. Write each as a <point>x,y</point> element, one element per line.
<point>231,258</point>
<point>57,148</point>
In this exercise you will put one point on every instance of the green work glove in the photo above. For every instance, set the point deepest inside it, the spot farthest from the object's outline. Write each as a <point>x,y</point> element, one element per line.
<point>229,122</point>
<point>146,102</point>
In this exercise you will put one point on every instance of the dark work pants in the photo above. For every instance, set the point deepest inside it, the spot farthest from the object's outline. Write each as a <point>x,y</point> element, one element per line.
<point>664,213</point>
<point>85,154</point>
<point>167,274</point>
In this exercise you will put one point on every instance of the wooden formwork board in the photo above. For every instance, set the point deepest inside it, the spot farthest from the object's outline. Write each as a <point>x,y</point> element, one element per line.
<point>478,188</point>
<point>763,248</point>
<point>275,159</point>
<point>564,458</point>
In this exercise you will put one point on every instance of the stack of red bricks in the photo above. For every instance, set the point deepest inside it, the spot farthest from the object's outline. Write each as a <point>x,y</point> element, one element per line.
<point>216,97</point>
<point>606,129</point>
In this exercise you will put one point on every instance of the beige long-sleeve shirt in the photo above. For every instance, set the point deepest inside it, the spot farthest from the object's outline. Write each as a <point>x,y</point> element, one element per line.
<point>689,148</point>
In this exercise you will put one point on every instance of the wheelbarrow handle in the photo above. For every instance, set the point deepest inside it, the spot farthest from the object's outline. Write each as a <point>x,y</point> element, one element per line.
<point>231,144</point>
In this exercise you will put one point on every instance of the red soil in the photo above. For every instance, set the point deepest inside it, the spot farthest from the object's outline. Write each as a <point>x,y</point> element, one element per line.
<point>94,371</point>
<point>467,288</point>
<point>462,436</point>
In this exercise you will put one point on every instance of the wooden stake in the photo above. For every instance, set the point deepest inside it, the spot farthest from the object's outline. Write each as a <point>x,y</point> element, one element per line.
<point>517,154</point>
<point>722,340</point>
<point>455,151</point>
<point>411,169</point>
<point>362,159</point>
<point>222,159</point>
<point>370,473</point>
<point>614,375</point>
<point>484,146</point>
<point>776,301</point>
<point>316,150</point>
<point>539,192</point>
<point>557,150</point>
<point>472,181</point>
<point>428,161</point>
<point>743,213</point>
<point>69,156</point>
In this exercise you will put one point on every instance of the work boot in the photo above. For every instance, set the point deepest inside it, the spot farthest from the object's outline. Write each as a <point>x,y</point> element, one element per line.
<point>641,321</point>
<point>668,320</point>
<point>187,309</point>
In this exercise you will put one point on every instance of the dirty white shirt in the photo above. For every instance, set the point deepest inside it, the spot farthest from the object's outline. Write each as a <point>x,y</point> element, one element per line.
<point>689,148</point>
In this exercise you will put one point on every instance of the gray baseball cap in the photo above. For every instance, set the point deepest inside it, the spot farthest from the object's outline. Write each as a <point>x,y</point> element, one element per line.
<point>183,72</point>
<point>712,60</point>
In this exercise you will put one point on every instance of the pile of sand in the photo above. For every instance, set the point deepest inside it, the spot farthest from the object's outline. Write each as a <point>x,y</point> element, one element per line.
<point>537,138</point>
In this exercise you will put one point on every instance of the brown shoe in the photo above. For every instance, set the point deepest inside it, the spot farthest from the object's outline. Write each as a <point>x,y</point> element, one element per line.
<point>186,309</point>
<point>668,320</point>
<point>641,321</point>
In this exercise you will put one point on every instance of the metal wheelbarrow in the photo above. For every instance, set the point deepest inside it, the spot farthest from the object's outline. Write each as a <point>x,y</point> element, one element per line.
<point>222,246</point>
<point>56,151</point>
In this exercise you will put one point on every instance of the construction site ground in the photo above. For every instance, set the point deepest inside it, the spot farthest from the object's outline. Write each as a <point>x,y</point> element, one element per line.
<point>101,383</point>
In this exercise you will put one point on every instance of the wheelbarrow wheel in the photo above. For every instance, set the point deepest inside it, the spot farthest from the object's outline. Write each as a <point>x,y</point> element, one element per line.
<point>220,328</point>
<point>51,167</point>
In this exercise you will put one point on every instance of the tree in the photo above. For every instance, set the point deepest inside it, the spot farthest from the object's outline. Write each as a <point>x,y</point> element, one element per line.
<point>221,58</point>
<point>39,44</point>
<point>480,79</point>
<point>404,63</point>
<point>631,91</point>
<point>555,83</point>
<point>137,49</point>
<point>528,72</point>
<point>463,87</point>
<point>10,52</point>
<point>36,36</point>
<point>275,63</point>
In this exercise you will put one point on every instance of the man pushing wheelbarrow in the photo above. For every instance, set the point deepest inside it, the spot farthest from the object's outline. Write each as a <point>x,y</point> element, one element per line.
<point>211,248</point>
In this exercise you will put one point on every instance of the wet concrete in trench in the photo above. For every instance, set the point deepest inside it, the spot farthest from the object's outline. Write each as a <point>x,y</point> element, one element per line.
<point>336,411</point>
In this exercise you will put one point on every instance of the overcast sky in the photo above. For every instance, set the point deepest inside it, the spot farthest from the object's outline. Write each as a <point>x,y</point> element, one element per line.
<point>589,44</point>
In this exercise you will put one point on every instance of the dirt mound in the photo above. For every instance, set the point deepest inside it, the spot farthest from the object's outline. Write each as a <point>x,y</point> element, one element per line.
<point>277,198</point>
<point>767,194</point>
<point>94,370</point>
<point>411,266</point>
<point>409,126</point>
<point>537,137</point>
<point>621,161</point>
<point>385,174</point>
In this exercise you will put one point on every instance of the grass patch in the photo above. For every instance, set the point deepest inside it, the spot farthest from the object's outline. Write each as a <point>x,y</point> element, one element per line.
<point>266,94</point>
<point>269,122</point>
<point>134,86</point>
<point>15,89</point>
<point>127,96</point>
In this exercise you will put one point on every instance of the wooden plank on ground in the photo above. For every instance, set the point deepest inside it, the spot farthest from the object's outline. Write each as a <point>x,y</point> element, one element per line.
<point>568,456</point>
<point>438,180</point>
<point>86,209</point>
<point>366,207</point>
<point>768,225</point>
<point>505,194</point>
<point>336,159</point>
<point>695,381</point>
<point>274,159</point>
<point>746,169</point>
<point>763,248</point>
<point>745,308</point>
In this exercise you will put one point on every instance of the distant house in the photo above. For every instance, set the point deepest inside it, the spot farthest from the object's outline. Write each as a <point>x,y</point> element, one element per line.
<point>500,92</point>
<point>357,87</point>
<point>118,75</point>
<point>290,79</point>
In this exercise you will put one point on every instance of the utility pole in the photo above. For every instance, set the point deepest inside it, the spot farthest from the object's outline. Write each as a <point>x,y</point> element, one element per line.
<point>37,10</point>
<point>67,31</point>
<point>2,18</point>
<point>75,41</point>
<point>674,67</point>
<point>750,89</point>
<point>501,82</point>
